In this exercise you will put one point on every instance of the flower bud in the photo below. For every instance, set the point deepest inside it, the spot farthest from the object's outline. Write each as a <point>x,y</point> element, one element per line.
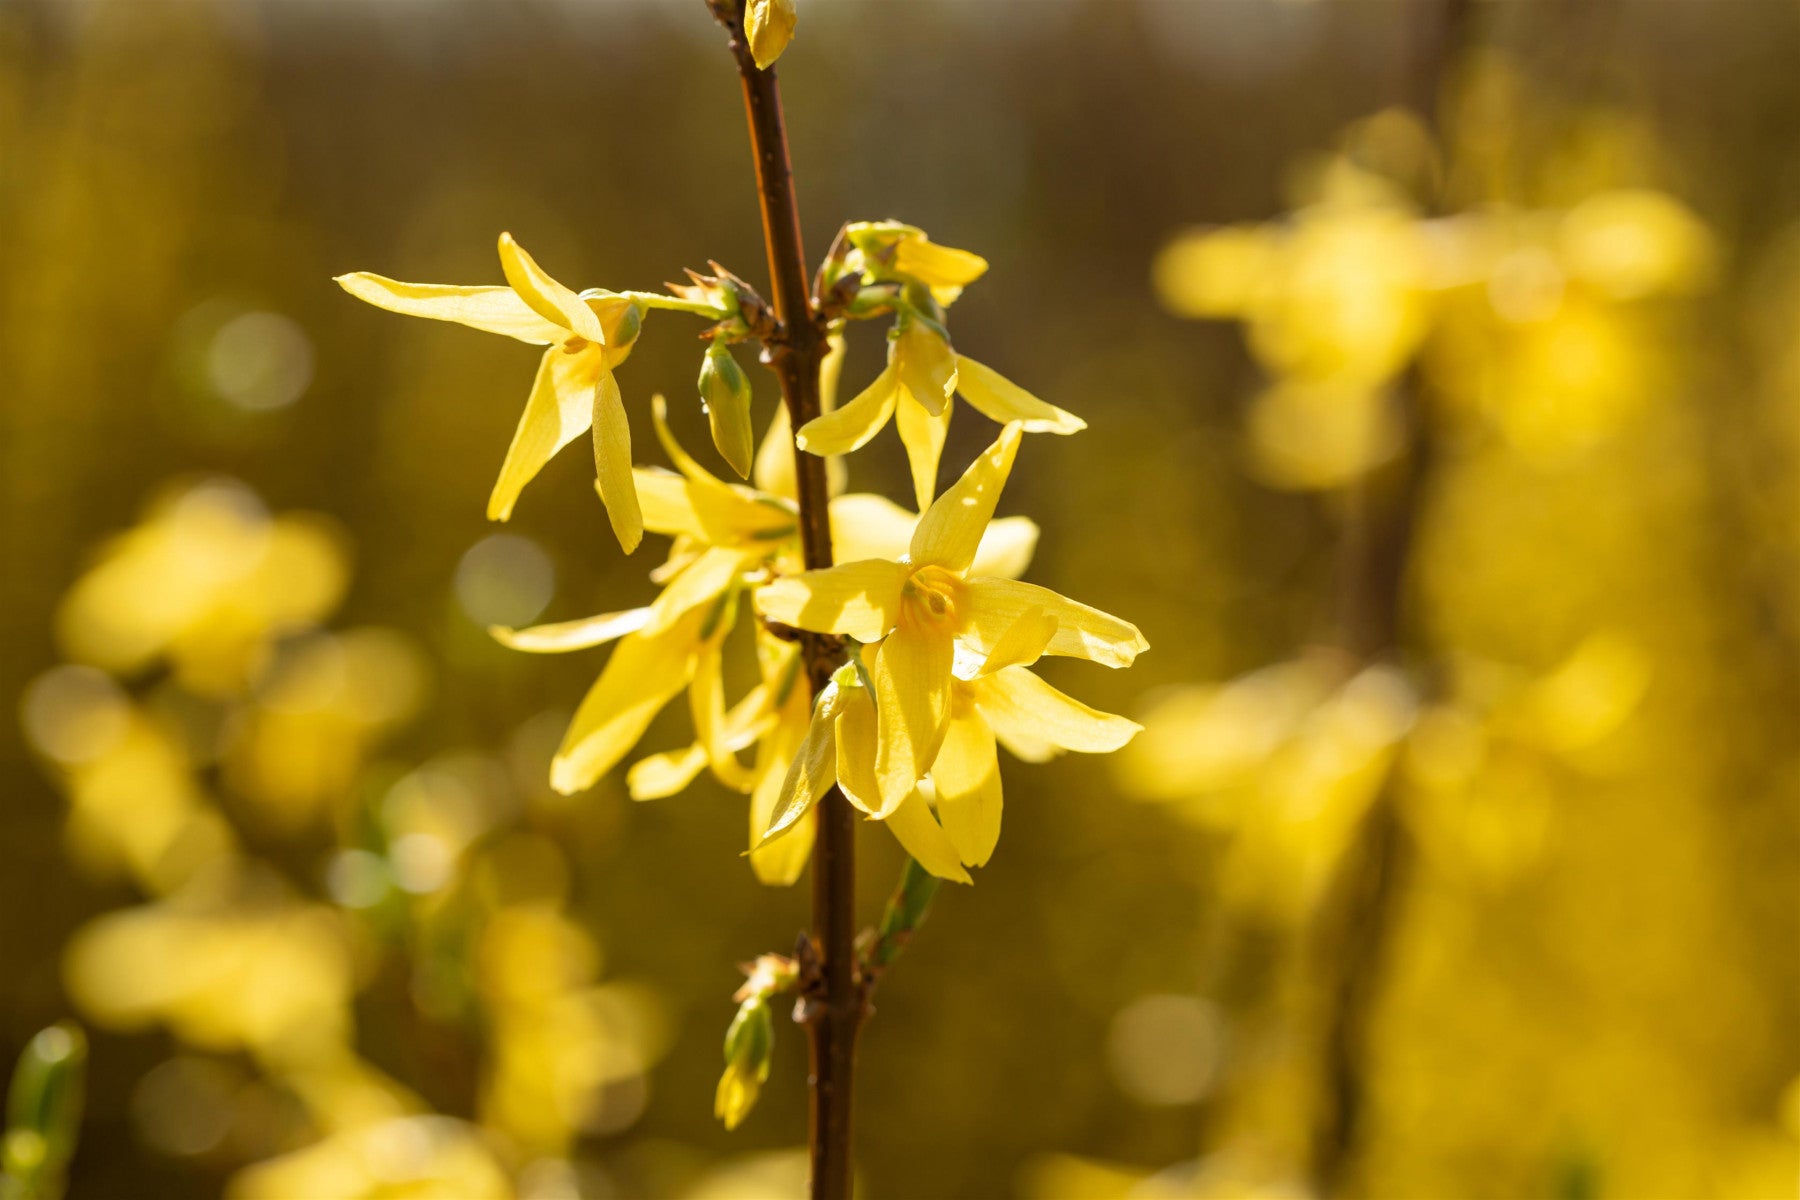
<point>770,27</point>
<point>43,1108</point>
<point>725,395</point>
<point>748,1044</point>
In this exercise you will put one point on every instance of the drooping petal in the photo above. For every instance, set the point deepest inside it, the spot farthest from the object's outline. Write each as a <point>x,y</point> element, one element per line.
<point>851,426</point>
<point>812,774</point>
<point>724,512</point>
<point>612,464</point>
<point>990,606</point>
<point>923,436</point>
<point>662,775</point>
<point>858,734</point>
<point>950,531</point>
<point>926,364</point>
<point>1000,399</point>
<point>967,774</point>
<point>774,469</point>
<point>911,674</point>
<point>1022,644</point>
<point>922,837</point>
<point>864,525</point>
<point>700,582</point>
<point>664,501</point>
<point>1006,548</point>
<point>938,266</point>
<point>571,635</point>
<point>491,309</point>
<point>831,369</point>
<point>706,704</point>
<point>644,673</point>
<point>855,599</point>
<point>1019,705</point>
<point>559,410</point>
<point>547,298</point>
<point>780,862</point>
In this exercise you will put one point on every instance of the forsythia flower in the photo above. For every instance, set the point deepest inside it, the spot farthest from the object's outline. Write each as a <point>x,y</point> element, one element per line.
<point>769,24</point>
<point>905,706</point>
<point>587,336</point>
<point>923,373</point>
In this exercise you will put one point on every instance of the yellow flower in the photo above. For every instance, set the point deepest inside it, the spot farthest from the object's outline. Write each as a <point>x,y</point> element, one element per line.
<point>586,336</point>
<point>923,373</point>
<point>919,607</point>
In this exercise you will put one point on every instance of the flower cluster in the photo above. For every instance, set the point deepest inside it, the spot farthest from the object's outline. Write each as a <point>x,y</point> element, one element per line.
<point>938,632</point>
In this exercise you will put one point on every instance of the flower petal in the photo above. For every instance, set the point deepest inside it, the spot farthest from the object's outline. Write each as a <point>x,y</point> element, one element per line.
<point>864,525</point>
<point>571,635</point>
<point>665,503</point>
<point>643,675</point>
<point>701,581</point>
<point>812,774</point>
<point>1006,548</point>
<point>706,704</point>
<point>911,674</point>
<point>851,426</point>
<point>923,435</point>
<point>1023,643</point>
<point>1019,705</point>
<point>559,410</point>
<point>782,861</point>
<point>612,464</point>
<point>663,775</point>
<point>938,266</point>
<point>546,297</point>
<point>492,309</point>
<point>991,606</point>
<point>926,364</point>
<point>999,398</point>
<point>857,739</point>
<point>967,774</point>
<point>950,531</point>
<point>855,599</point>
<point>922,837</point>
<point>725,512</point>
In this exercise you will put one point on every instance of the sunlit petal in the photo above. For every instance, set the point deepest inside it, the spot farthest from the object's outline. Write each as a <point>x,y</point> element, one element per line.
<point>967,774</point>
<point>923,435</point>
<point>911,674</point>
<point>1022,644</point>
<point>548,298</point>
<point>1006,548</point>
<point>857,738</point>
<point>644,673</point>
<point>951,529</point>
<point>572,635</point>
<point>700,582</point>
<point>991,606</point>
<point>813,772</point>
<point>492,309</point>
<point>663,775</point>
<point>926,364</point>
<point>559,410</point>
<point>849,427</point>
<point>1020,705</point>
<point>1000,399</point>
<point>864,525</point>
<point>612,464</point>
<point>782,861</point>
<point>922,837</point>
<point>855,599</point>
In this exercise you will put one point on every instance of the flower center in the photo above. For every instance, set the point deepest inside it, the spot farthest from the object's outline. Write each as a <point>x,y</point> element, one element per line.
<point>932,594</point>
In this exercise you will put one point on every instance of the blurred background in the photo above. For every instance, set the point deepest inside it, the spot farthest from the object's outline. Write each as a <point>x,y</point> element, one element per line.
<point>1444,403</point>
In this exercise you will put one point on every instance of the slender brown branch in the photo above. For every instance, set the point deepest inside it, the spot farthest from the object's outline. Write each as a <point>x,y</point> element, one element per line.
<point>833,1004</point>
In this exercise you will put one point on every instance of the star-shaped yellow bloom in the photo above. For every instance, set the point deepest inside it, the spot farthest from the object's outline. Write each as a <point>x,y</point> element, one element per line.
<point>587,335</point>
<point>920,607</point>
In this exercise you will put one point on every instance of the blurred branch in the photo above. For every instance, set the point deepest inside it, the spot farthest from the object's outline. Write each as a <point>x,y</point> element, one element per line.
<point>795,353</point>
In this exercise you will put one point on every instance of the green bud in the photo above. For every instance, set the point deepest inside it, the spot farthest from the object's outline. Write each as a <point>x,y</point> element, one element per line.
<point>725,395</point>
<point>749,1043</point>
<point>44,1109</point>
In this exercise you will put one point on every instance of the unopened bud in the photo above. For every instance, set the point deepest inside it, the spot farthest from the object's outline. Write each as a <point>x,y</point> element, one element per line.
<point>770,27</point>
<point>749,1044</point>
<point>725,394</point>
<point>44,1107</point>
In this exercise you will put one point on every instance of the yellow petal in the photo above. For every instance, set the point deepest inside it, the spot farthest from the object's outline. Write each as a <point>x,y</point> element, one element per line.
<point>923,436</point>
<point>950,531</point>
<point>990,606</point>
<point>1000,399</point>
<point>831,369</point>
<point>782,861</point>
<point>921,836</point>
<point>571,635</point>
<point>1006,548</point>
<point>769,26</point>
<point>642,676</point>
<point>1023,643</point>
<point>938,266</point>
<point>724,512</point>
<point>812,774</point>
<point>857,739</point>
<point>666,506</point>
<point>546,297</point>
<point>967,774</point>
<point>774,470</point>
<point>612,464</point>
<point>911,674</point>
<point>851,426</point>
<point>1017,704</point>
<point>856,599</point>
<point>926,364</point>
<point>559,410</point>
<point>700,582</point>
<point>492,309</point>
<point>864,525</point>
<point>665,774</point>
<point>706,704</point>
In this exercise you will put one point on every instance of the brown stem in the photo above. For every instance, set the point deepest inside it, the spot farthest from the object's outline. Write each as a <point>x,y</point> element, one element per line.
<point>835,1006</point>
